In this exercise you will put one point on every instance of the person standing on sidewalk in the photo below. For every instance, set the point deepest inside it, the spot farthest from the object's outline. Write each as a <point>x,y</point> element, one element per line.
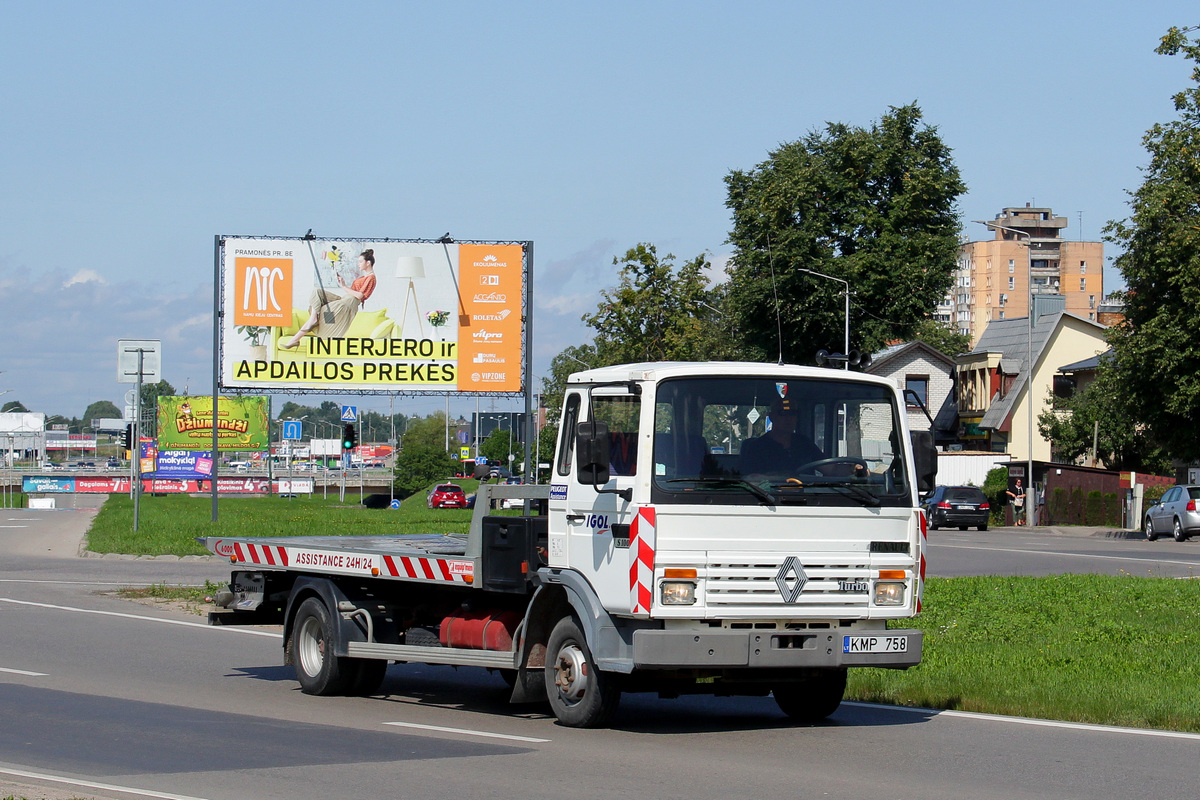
<point>1017,494</point>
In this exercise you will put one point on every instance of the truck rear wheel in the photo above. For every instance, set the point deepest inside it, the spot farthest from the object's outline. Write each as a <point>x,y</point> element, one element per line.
<point>319,671</point>
<point>580,695</point>
<point>368,674</point>
<point>814,699</point>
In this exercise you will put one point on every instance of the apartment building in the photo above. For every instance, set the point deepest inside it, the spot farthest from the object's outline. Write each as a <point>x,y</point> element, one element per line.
<point>993,276</point>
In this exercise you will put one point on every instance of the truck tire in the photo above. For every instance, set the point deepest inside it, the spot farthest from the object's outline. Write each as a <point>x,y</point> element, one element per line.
<point>368,675</point>
<point>814,699</point>
<point>318,670</point>
<point>580,695</point>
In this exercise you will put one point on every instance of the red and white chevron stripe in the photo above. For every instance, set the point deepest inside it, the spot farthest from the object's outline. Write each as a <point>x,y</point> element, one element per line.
<point>924,523</point>
<point>270,555</point>
<point>430,569</point>
<point>642,540</point>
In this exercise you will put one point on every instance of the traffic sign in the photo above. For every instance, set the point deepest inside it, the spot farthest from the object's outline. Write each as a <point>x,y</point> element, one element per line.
<point>293,429</point>
<point>349,413</point>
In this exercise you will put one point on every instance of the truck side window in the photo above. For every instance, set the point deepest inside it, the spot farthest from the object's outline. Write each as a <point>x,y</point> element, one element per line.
<point>621,414</point>
<point>566,435</point>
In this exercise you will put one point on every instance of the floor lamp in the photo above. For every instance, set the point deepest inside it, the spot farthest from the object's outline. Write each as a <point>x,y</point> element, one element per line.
<point>411,267</point>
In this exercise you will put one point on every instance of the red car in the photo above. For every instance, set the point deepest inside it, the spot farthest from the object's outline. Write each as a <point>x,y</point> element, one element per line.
<point>447,495</point>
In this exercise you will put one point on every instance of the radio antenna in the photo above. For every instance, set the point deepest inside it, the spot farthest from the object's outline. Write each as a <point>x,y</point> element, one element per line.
<point>775,291</point>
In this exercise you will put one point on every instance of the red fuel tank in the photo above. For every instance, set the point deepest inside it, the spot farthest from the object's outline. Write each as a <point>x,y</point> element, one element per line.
<point>480,630</point>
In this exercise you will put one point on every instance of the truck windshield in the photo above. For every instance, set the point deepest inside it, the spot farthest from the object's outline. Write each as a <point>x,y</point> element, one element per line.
<point>777,441</point>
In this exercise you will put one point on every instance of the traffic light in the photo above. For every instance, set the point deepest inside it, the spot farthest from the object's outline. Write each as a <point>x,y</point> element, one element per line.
<point>349,437</point>
<point>127,437</point>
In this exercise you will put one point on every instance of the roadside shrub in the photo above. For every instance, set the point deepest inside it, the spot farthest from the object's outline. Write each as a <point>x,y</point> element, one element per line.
<point>1058,506</point>
<point>1075,506</point>
<point>1112,510</point>
<point>1093,513</point>
<point>994,487</point>
<point>1152,493</point>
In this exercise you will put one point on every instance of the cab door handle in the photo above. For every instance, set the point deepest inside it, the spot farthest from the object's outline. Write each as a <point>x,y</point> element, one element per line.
<point>576,517</point>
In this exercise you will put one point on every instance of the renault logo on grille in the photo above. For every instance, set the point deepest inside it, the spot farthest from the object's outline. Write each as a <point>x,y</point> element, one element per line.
<point>791,569</point>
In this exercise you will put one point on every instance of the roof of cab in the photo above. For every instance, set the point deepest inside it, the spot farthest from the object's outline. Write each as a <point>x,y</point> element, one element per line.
<point>658,370</point>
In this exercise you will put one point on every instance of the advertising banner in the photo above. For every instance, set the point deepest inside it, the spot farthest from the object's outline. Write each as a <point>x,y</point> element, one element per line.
<point>32,484</point>
<point>186,423</point>
<point>103,485</point>
<point>114,485</point>
<point>182,464</point>
<point>383,315</point>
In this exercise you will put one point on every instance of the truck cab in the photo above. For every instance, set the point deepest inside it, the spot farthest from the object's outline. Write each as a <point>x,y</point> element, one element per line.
<point>740,520</point>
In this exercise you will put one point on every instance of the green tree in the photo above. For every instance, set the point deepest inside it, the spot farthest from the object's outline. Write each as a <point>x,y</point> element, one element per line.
<point>942,337</point>
<point>427,432</point>
<point>657,311</point>
<point>571,359</point>
<point>496,448</point>
<point>14,407</point>
<point>101,409</point>
<point>150,394</point>
<point>871,206</point>
<point>1156,352</point>
<point>1102,411</point>
<point>419,465</point>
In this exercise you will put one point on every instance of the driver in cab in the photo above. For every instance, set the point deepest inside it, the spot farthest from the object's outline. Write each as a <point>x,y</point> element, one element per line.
<point>781,450</point>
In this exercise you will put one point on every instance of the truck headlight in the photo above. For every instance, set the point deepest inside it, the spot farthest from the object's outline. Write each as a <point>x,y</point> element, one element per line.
<point>889,593</point>
<point>677,593</point>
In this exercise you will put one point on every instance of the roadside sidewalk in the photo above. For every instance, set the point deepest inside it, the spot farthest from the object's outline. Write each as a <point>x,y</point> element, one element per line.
<point>1101,532</point>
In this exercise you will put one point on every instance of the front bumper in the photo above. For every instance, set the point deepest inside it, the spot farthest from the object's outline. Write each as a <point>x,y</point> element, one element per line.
<point>683,649</point>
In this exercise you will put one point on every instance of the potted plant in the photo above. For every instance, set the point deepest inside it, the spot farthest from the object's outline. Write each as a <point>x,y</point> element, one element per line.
<point>256,335</point>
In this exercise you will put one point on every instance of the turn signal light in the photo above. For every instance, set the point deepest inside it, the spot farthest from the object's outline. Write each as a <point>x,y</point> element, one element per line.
<point>679,573</point>
<point>892,574</point>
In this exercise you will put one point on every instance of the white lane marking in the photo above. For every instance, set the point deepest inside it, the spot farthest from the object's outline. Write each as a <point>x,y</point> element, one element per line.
<point>93,785</point>
<point>142,618</point>
<point>92,583</point>
<point>1044,723</point>
<point>1068,555</point>
<point>14,526</point>
<point>24,519</point>
<point>466,732</point>
<point>24,672</point>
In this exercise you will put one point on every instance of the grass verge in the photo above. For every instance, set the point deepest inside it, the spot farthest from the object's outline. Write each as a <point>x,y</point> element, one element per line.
<point>1112,650</point>
<point>169,525</point>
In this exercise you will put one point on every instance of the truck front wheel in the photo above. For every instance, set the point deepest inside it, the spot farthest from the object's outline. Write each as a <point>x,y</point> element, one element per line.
<point>580,695</point>
<point>814,699</point>
<point>319,671</point>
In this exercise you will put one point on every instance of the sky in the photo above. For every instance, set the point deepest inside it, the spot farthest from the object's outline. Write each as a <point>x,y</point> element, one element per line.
<point>134,132</point>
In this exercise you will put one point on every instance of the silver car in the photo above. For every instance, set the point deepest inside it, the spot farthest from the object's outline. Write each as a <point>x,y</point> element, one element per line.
<point>1176,512</point>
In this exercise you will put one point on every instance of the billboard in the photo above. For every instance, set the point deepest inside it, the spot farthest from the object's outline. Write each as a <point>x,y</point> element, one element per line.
<point>371,315</point>
<point>186,423</point>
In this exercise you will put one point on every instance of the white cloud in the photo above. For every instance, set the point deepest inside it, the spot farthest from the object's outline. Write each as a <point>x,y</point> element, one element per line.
<point>84,276</point>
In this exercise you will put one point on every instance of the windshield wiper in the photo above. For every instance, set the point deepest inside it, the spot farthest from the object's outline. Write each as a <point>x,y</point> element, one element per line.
<point>850,489</point>
<point>757,491</point>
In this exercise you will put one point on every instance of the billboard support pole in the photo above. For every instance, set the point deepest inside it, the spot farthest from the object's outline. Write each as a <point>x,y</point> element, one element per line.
<point>529,473</point>
<point>136,455</point>
<point>216,398</point>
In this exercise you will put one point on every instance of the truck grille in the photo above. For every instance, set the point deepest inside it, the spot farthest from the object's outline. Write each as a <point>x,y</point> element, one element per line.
<point>744,583</point>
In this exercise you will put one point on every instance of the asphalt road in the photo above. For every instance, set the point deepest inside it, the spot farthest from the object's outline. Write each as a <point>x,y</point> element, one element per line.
<point>1055,551</point>
<point>104,698</point>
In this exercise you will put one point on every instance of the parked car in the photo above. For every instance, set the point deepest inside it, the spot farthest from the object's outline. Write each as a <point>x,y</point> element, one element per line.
<point>961,506</point>
<point>1175,512</point>
<point>447,495</point>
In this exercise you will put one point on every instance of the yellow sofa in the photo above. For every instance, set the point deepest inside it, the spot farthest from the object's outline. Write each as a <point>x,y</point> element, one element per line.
<point>366,325</point>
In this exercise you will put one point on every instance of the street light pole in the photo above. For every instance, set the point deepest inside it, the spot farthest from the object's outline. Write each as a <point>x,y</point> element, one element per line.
<point>846,284</point>
<point>1030,491</point>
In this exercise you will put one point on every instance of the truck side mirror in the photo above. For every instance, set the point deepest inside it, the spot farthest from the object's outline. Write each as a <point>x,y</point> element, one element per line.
<point>924,460</point>
<point>591,452</point>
